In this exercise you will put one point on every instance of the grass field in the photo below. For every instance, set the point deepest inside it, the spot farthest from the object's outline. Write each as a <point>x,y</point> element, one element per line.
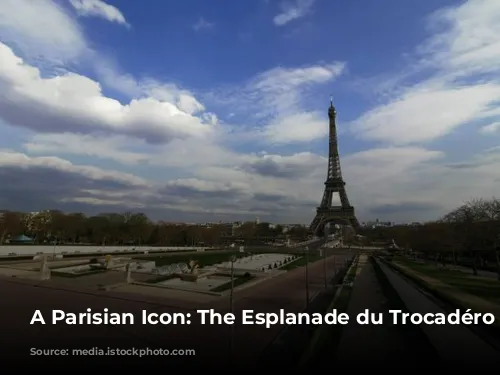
<point>487,288</point>
<point>204,259</point>
<point>159,279</point>
<point>351,274</point>
<point>74,275</point>
<point>299,262</point>
<point>238,281</point>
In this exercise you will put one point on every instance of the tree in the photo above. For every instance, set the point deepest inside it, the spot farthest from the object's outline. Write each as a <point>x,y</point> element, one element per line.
<point>57,226</point>
<point>477,226</point>
<point>348,235</point>
<point>139,227</point>
<point>12,224</point>
<point>247,229</point>
<point>75,227</point>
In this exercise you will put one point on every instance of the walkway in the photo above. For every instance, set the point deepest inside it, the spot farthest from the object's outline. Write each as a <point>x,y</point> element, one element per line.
<point>211,342</point>
<point>371,342</point>
<point>454,343</point>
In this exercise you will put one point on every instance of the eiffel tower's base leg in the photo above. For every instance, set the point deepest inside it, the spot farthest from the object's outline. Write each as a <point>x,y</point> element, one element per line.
<point>317,227</point>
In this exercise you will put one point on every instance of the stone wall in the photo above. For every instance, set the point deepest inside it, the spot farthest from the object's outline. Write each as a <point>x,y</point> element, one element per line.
<point>33,250</point>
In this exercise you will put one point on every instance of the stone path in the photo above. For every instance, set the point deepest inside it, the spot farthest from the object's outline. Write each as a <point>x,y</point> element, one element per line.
<point>371,342</point>
<point>211,342</point>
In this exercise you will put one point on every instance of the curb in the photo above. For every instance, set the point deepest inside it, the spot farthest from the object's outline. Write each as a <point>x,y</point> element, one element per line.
<point>181,289</point>
<point>306,357</point>
<point>486,336</point>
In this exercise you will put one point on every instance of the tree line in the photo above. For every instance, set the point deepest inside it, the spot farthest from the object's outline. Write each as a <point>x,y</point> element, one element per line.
<point>468,235</point>
<point>131,229</point>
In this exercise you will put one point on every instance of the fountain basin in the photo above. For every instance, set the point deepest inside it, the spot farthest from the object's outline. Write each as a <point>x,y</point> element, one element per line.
<point>193,277</point>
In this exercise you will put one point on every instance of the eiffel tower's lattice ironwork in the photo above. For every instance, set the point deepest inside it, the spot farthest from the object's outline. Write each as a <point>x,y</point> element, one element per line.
<point>342,214</point>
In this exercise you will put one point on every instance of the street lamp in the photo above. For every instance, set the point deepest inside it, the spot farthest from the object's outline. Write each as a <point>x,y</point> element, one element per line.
<point>497,249</point>
<point>324,268</point>
<point>341,237</point>
<point>306,249</point>
<point>54,250</point>
<point>232,260</point>
<point>231,307</point>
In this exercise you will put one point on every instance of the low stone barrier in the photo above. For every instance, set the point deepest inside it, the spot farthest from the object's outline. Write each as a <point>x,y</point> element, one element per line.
<point>20,250</point>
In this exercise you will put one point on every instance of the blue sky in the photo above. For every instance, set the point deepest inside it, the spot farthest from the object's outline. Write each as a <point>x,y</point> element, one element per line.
<point>217,110</point>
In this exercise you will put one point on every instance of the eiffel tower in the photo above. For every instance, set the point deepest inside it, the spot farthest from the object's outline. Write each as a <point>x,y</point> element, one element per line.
<point>326,213</point>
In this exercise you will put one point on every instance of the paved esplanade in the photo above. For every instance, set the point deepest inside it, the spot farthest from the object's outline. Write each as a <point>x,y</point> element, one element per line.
<point>22,297</point>
<point>408,343</point>
<point>371,341</point>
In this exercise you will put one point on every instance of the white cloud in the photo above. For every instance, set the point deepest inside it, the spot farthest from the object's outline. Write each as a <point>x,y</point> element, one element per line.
<point>491,128</point>
<point>466,39</point>
<point>380,165</point>
<point>203,24</point>
<point>428,113</point>
<point>42,30</point>
<point>281,89</point>
<point>19,160</point>
<point>395,183</point>
<point>282,92</point>
<point>186,154</point>
<point>52,181</point>
<point>463,55</point>
<point>412,183</point>
<point>291,11</point>
<point>147,87</point>
<point>300,127</point>
<point>201,172</point>
<point>275,99</point>
<point>276,94</point>
<point>86,145</point>
<point>281,79</point>
<point>98,8</point>
<point>75,103</point>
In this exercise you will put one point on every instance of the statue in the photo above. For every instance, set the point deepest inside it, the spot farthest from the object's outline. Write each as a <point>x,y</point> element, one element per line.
<point>107,261</point>
<point>44,269</point>
<point>128,273</point>
<point>193,267</point>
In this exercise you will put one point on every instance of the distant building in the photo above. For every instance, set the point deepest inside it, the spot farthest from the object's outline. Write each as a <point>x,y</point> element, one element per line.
<point>378,224</point>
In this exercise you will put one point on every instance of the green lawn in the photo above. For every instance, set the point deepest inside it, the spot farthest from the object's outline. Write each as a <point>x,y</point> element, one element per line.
<point>351,275</point>
<point>237,282</point>
<point>479,286</point>
<point>204,259</point>
<point>299,262</point>
<point>73,275</point>
<point>159,279</point>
